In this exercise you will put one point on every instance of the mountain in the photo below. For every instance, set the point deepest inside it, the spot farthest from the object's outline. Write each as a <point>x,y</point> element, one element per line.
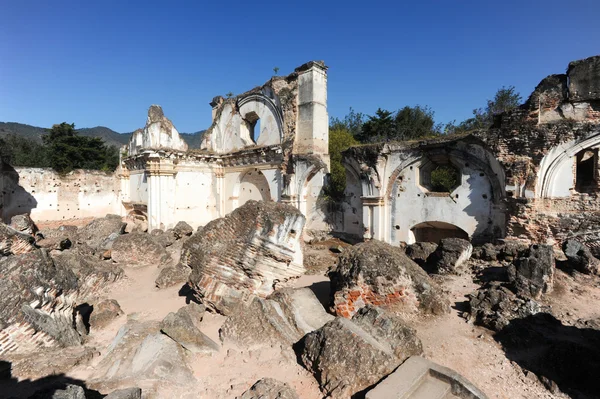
<point>109,136</point>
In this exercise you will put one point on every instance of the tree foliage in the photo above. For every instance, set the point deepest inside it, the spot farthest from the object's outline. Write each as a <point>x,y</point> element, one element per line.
<point>62,149</point>
<point>353,123</point>
<point>340,139</point>
<point>443,178</point>
<point>505,99</point>
<point>68,151</point>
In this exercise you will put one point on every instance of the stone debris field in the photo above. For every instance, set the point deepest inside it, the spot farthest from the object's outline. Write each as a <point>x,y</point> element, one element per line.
<point>218,273</point>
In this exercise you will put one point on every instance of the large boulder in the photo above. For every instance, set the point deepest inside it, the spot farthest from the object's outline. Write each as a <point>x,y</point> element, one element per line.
<point>140,355</point>
<point>532,273</point>
<point>580,258</point>
<point>59,238</point>
<point>23,224</point>
<point>348,356</point>
<point>180,327</point>
<point>285,317</point>
<point>419,252</point>
<point>380,274</point>
<point>244,254</point>
<point>104,313</point>
<point>495,306</point>
<point>451,256</point>
<point>126,393</point>
<point>101,233</point>
<point>138,250</point>
<point>182,229</point>
<point>173,275</point>
<point>37,296</point>
<point>269,388</point>
<point>92,273</point>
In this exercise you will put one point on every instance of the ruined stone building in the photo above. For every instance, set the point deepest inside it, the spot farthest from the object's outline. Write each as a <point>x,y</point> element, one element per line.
<point>270,143</point>
<point>533,175</point>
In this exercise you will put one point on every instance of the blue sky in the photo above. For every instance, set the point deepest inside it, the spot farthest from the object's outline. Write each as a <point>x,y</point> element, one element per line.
<point>104,62</point>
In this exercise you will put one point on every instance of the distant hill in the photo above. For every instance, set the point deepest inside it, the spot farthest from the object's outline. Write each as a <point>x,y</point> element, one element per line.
<point>109,136</point>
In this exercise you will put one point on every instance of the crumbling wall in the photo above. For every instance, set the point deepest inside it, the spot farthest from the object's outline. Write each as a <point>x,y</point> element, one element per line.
<point>538,144</point>
<point>47,195</point>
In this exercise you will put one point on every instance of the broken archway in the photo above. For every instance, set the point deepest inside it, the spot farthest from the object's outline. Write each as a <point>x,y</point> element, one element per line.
<point>435,231</point>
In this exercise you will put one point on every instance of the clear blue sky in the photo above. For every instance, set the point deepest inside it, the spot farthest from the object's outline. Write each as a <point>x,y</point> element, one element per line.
<point>104,62</point>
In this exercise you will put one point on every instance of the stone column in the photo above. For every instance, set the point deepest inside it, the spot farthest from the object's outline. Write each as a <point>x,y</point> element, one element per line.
<point>161,195</point>
<point>373,212</point>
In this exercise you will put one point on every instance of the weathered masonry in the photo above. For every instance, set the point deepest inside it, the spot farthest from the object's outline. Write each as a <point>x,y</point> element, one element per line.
<point>270,143</point>
<point>533,175</point>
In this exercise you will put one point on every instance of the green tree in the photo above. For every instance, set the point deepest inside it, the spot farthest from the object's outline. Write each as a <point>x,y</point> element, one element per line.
<point>68,151</point>
<point>340,139</point>
<point>379,127</point>
<point>21,151</point>
<point>505,99</point>
<point>353,122</point>
<point>415,122</point>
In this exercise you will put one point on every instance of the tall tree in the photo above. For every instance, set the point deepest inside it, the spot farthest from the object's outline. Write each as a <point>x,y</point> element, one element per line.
<point>353,123</point>
<point>379,127</point>
<point>414,122</point>
<point>68,151</point>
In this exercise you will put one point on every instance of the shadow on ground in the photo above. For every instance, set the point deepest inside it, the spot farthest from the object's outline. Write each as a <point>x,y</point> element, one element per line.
<point>43,388</point>
<point>563,355</point>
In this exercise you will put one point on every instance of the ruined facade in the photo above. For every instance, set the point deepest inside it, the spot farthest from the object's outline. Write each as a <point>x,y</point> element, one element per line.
<point>270,143</point>
<point>533,175</point>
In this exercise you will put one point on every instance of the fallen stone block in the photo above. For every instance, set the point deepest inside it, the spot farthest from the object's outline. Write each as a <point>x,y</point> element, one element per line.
<point>285,317</point>
<point>419,252</point>
<point>23,224</point>
<point>100,233</point>
<point>182,229</point>
<point>419,378</point>
<point>451,256</point>
<point>348,356</point>
<point>180,327</point>
<point>104,313</point>
<point>170,276</point>
<point>140,355</point>
<point>580,258</point>
<point>37,303</point>
<point>13,242</point>
<point>244,254</point>
<point>532,273</point>
<point>380,274</point>
<point>127,393</point>
<point>138,250</point>
<point>269,388</point>
<point>495,306</point>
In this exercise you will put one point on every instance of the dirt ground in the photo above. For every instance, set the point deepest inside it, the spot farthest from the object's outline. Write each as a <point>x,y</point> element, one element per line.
<point>448,340</point>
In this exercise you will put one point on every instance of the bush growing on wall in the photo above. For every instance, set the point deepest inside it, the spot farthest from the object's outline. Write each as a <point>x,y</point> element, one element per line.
<point>340,139</point>
<point>443,178</point>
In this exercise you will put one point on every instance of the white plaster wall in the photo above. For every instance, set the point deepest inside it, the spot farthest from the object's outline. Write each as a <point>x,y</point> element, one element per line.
<point>253,186</point>
<point>138,187</point>
<point>231,133</point>
<point>470,206</point>
<point>314,206</point>
<point>195,198</point>
<point>47,196</point>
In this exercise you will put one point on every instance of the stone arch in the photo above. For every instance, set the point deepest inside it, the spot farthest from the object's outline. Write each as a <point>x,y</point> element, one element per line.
<point>556,175</point>
<point>259,107</point>
<point>474,206</point>
<point>251,185</point>
<point>434,231</point>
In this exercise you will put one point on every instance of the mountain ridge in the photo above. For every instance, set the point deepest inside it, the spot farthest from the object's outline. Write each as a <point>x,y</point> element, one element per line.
<point>110,137</point>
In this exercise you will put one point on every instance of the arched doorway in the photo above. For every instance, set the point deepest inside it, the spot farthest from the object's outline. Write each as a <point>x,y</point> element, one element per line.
<point>436,231</point>
<point>253,186</point>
